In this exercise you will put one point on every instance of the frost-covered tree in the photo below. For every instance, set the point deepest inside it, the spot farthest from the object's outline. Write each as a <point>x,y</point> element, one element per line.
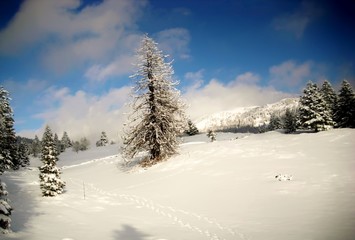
<point>275,122</point>
<point>50,182</point>
<point>211,135</point>
<point>103,140</point>
<point>290,121</point>
<point>65,141</point>
<point>345,111</point>
<point>158,116</point>
<point>5,210</point>
<point>191,128</point>
<point>313,111</point>
<point>329,96</point>
<point>8,150</point>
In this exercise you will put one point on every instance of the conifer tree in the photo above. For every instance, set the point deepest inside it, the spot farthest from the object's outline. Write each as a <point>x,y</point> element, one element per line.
<point>313,111</point>
<point>103,140</point>
<point>5,210</point>
<point>22,153</point>
<point>158,113</point>
<point>36,146</point>
<point>7,133</point>
<point>290,121</point>
<point>330,97</point>
<point>65,141</point>
<point>57,145</point>
<point>275,122</point>
<point>192,129</point>
<point>50,182</point>
<point>345,111</point>
<point>212,135</point>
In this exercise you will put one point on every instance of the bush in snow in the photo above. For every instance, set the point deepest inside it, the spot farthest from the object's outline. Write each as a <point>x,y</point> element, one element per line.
<point>158,114</point>
<point>5,210</point>
<point>212,135</point>
<point>49,176</point>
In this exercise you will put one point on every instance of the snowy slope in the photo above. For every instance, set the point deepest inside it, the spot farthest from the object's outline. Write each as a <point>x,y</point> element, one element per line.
<point>246,116</point>
<point>220,190</point>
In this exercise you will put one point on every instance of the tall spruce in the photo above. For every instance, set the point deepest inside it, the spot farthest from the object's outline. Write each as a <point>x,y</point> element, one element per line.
<point>8,148</point>
<point>313,111</point>
<point>330,97</point>
<point>345,111</point>
<point>158,114</point>
<point>50,182</point>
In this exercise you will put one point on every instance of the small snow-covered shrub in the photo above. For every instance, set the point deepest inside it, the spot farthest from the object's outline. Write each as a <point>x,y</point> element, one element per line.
<point>5,210</point>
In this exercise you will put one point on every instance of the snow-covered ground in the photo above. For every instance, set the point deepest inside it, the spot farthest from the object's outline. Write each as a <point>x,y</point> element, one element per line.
<point>221,190</point>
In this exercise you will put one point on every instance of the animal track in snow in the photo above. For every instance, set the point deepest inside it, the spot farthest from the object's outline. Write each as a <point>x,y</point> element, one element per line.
<point>203,225</point>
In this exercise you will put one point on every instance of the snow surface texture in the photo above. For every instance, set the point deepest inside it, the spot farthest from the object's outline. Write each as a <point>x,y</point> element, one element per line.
<point>221,190</point>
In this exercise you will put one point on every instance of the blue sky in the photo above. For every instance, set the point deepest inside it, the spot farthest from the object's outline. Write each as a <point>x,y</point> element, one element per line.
<point>67,63</point>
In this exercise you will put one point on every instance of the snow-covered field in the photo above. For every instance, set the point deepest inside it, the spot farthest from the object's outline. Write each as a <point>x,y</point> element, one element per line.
<point>221,190</point>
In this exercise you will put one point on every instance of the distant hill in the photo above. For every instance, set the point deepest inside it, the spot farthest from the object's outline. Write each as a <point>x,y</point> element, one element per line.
<point>245,118</point>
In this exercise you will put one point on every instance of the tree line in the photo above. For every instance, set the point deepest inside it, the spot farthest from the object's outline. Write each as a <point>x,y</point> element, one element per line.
<point>320,108</point>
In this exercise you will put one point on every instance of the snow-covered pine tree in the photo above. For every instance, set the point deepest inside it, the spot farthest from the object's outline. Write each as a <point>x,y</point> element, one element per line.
<point>103,140</point>
<point>290,121</point>
<point>50,182</point>
<point>330,97</point>
<point>5,210</point>
<point>158,113</point>
<point>66,143</point>
<point>313,111</point>
<point>345,111</point>
<point>275,122</point>
<point>22,153</point>
<point>8,147</point>
<point>191,128</point>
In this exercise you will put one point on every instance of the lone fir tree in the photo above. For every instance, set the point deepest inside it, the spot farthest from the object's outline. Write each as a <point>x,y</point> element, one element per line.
<point>158,113</point>
<point>50,182</point>
<point>103,140</point>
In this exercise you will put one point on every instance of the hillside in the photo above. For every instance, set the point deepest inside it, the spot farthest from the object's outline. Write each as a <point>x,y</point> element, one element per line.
<point>221,190</point>
<point>245,118</point>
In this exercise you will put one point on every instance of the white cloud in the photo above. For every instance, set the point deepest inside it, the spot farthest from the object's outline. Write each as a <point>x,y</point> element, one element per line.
<point>69,37</point>
<point>174,41</point>
<point>122,65</point>
<point>82,114</point>
<point>217,96</point>
<point>297,21</point>
<point>247,78</point>
<point>289,74</point>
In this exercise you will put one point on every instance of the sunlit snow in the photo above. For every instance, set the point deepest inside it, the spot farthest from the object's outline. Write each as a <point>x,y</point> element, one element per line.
<point>221,190</point>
